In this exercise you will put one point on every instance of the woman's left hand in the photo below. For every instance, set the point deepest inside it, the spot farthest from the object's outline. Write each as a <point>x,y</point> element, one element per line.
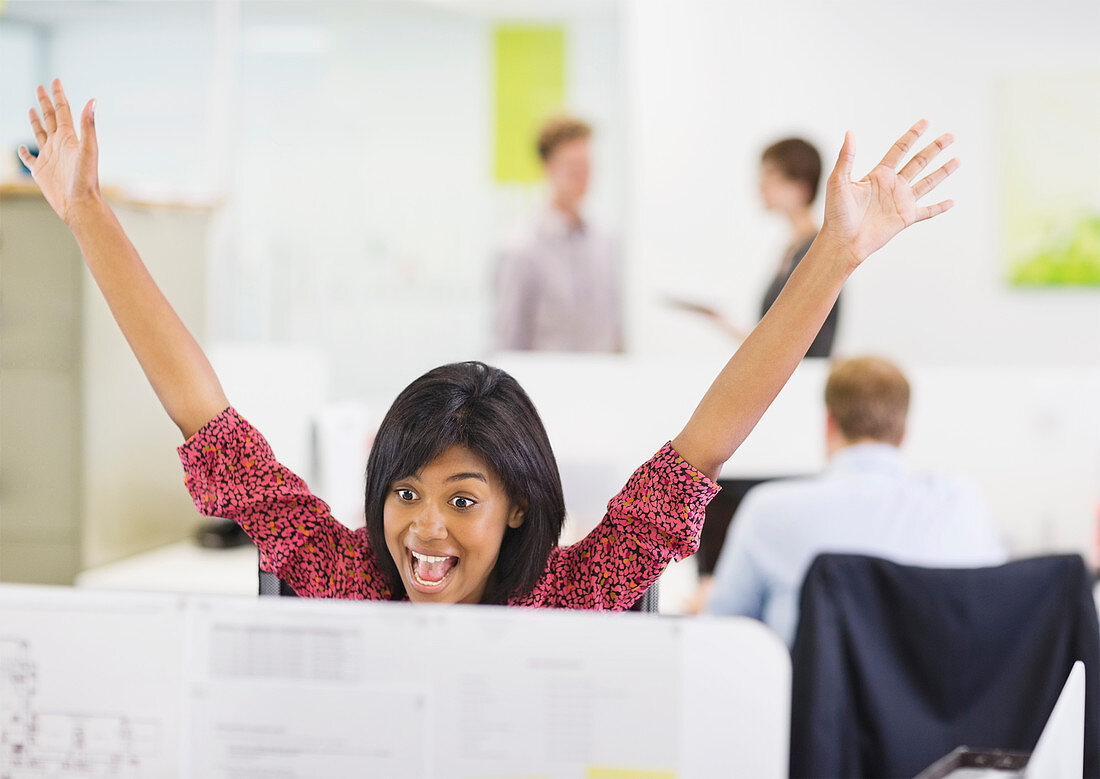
<point>862,216</point>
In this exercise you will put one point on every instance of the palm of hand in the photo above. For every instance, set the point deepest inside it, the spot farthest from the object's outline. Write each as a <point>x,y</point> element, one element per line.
<point>865,214</point>
<point>57,172</point>
<point>871,211</point>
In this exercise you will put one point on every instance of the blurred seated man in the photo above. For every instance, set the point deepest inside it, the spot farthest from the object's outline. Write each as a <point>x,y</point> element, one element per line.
<point>557,280</point>
<point>864,503</point>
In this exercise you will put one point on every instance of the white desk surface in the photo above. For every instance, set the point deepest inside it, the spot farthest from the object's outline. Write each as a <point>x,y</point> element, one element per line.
<point>180,567</point>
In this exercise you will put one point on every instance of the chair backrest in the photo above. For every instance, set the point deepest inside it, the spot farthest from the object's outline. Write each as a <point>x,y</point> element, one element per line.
<point>648,602</point>
<point>274,587</point>
<point>895,666</point>
<point>271,585</point>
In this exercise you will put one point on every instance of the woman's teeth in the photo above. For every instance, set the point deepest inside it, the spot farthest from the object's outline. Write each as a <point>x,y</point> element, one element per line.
<point>431,570</point>
<point>426,558</point>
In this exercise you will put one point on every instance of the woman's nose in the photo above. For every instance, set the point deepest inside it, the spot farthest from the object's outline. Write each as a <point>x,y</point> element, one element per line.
<point>428,525</point>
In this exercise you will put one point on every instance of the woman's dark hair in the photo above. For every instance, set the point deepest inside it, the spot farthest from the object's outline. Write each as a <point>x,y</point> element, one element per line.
<point>483,409</point>
<point>798,160</point>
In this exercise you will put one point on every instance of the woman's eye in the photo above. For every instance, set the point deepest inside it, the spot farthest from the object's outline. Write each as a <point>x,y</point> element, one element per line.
<point>406,495</point>
<point>461,503</point>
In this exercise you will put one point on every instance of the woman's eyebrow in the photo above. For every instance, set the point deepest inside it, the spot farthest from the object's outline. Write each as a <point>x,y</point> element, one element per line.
<point>468,475</point>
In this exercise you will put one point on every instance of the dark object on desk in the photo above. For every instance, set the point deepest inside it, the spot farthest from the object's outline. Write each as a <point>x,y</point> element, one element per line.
<point>964,758</point>
<point>221,534</point>
<point>720,512</point>
<point>895,666</point>
<point>272,585</point>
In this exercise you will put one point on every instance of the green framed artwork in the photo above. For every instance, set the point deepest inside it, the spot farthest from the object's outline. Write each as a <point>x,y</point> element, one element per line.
<point>529,88</point>
<point>1050,169</point>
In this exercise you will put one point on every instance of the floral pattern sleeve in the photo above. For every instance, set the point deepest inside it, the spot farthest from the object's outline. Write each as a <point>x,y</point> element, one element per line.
<point>232,473</point>
<point>655,519</point>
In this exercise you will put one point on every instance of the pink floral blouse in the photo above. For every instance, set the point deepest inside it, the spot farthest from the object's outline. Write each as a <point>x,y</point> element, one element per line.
<point>232,473</point>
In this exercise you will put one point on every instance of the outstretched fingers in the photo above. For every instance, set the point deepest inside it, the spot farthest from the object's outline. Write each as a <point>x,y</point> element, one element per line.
<point>49,118</point>
<point>933,179</point>
<point>921,160</point>
<point>36,125</point>
<point>843,168</point>
<point>61,105</point>
<point>927,212</point>
<point>28,159</point>
<point>87,128</point>
<point>906,142</point>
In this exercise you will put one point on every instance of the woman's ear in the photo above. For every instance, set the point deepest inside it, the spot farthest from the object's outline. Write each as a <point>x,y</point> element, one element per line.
<point>517,515</point>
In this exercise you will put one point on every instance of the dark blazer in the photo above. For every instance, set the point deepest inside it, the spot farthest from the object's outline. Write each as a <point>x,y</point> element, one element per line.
<point>895,666</point>
<point>823,343</point>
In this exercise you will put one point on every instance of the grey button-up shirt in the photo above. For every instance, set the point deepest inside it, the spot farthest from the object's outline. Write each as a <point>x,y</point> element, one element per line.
<point>558,289</point>
<point>864,503</point>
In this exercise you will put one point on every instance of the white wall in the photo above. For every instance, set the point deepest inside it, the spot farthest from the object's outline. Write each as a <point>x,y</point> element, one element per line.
<point>369,216</point>
<point>363,187</point>
<point>21,56</point>
<point>713,82</point>
<point>148,69</point>
<point>350,146</point>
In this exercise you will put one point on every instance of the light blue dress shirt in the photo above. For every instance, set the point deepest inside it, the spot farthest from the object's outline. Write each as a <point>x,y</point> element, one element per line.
<point>864,503</point>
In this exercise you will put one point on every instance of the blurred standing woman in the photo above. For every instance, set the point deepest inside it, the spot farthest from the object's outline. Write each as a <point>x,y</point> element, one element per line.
<point>790,171</point>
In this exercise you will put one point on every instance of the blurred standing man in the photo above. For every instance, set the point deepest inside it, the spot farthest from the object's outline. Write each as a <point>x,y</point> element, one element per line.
<point>557,281</point>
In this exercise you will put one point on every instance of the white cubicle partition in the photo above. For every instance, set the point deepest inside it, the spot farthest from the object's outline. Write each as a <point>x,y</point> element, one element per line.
<point>1028,437</point>
<point>171,686</point>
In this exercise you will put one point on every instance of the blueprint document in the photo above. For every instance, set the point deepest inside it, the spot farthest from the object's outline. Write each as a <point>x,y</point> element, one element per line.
<point>91,685</point>
<point>112,684</point>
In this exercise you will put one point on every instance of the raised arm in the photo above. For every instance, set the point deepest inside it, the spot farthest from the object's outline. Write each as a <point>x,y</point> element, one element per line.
<point>66,170</point>
<point>860,218</point>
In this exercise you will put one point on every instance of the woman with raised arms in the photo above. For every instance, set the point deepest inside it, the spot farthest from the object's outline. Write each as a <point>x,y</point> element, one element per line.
<point>463,499</point>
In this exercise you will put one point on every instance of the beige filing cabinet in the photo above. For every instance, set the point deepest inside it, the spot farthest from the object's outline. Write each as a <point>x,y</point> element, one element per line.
<point>88,468</point>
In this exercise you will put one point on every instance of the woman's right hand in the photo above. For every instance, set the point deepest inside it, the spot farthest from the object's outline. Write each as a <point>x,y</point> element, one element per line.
<point>66,168</point>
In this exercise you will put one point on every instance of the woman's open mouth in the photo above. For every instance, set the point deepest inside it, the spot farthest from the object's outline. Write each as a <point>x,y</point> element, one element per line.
<point>430,573</point>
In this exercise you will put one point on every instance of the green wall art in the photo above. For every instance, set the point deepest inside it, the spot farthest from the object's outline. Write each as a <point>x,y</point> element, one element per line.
<point>529,87</point>
<point>1049,131</point>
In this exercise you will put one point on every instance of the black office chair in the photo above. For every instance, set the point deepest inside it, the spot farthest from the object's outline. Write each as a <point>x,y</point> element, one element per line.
<point>272,586</point>
<point>647,604</point>
<point>895,666</point>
